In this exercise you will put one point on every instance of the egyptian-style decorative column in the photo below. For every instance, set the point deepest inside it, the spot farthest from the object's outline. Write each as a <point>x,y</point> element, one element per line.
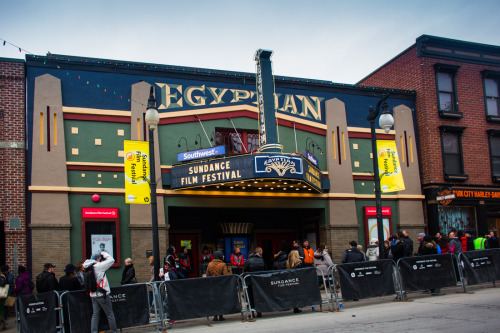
<point>50,219</point>
<point>342,215</point>
<point>140,215</point>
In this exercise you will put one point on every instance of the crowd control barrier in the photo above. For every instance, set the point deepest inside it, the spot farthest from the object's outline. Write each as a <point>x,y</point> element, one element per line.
<point>366,279</point>
<point>39,313</point>
<point>479,266</point>
<point>130,307</point>
<point>427,272</point>
<point>281,290</point>
<point>202,297</point>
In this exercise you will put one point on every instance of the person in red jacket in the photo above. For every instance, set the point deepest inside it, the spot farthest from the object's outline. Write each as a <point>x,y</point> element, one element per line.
<point>463,239</point>
<point>237,261</point>
<point>185,262</point>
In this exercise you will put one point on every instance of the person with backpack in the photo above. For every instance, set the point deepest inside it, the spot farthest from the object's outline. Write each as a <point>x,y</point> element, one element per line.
<point>399,247</point>
<point>46,280</point>
<point>97,285</point>
<point>24,285</point>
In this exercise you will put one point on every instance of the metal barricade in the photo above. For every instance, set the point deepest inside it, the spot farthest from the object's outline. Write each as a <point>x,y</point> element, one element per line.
<point>59,314</point>
<point>248,308</point>
<point>453,258</point>
<point>482,265</point>
<point>334,296</point>
<point>158,305</point>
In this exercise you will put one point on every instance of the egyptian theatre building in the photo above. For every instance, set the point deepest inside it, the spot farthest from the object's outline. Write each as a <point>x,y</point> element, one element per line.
<point>239,160</point>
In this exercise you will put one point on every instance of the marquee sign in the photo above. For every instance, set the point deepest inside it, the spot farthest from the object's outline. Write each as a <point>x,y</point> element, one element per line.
<point>237,168</point>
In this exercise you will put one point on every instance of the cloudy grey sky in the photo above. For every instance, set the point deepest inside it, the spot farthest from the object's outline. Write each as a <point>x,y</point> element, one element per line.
<point>340,41</point>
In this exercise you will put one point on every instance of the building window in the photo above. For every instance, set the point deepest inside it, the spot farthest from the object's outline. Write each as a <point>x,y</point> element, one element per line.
<point>451,145</point>
<point>494,142</point>
<point>240,141</point>
<point>447,90</point>
<point>491,83</point>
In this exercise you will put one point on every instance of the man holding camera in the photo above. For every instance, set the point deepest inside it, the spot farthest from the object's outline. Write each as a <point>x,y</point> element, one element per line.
<point>100,300</point>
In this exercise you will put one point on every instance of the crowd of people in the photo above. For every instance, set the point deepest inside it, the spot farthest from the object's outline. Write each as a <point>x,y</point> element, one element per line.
<point>179,265</point>
<point>401,245</point>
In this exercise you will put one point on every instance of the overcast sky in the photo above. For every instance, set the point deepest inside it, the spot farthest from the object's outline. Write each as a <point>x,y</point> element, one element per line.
<point>339,41</point>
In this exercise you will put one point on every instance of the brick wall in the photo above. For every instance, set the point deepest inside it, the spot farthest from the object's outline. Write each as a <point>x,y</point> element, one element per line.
<point>13,152</point>
<point>410,72</point>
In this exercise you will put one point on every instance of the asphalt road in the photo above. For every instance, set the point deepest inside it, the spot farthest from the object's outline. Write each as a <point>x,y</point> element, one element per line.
<point>453,312</point>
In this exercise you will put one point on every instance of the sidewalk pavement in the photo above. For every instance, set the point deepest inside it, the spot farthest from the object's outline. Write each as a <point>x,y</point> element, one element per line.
<point>453,312</point>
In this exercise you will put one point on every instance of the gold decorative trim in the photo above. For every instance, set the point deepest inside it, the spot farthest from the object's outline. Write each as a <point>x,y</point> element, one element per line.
<point>365,174</point>
<point>228,194</point>
<point>97,112</point>
<point>368,130</point>
<point>95,164</point>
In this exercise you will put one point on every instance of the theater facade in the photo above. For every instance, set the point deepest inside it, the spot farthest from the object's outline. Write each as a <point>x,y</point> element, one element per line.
<point>215,186</point>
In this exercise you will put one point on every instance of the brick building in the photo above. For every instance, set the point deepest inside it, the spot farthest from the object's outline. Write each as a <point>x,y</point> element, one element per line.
<point>12,167</point>
<point>80,111</point>
<point>458,122</point>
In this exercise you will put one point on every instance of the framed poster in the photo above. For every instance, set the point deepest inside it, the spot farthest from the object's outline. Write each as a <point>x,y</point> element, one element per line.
<point>101,232</point>
<point>102,243</point>
<point>370,219</point>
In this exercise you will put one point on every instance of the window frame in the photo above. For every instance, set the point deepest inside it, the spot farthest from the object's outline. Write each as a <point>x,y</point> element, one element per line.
<point>491,75</point>
<point>493,133</point>
<point>242,133</point>
<point>457,130</point>
<point>452,70</point>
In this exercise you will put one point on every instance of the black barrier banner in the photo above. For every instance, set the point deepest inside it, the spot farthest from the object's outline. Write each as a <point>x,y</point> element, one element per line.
<point>427,272</point>
<point>202,297</point>
<point>481,265</point>
<point>37,312</point>
<point>130,306</point>
<point>284,290</point>
<point>366,279</point>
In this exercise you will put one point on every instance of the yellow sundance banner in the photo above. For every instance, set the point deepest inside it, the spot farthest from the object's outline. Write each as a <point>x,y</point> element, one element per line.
<point>391,176</point>
<point>136,158</point>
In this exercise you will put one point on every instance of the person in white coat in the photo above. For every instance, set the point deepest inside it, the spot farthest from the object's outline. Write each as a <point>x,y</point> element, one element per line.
<point>100,300</point>
<point>322,261</point>
<point>372,253</point>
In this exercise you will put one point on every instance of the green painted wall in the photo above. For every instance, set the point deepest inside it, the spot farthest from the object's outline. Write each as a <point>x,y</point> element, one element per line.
<point>88,131</point>
<point>76,202</point>
<point>361,155</point>
<point>108,179</point>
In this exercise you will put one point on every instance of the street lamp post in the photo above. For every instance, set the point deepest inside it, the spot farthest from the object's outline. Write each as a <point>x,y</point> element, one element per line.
<point>152,119</point>
<point>386,121</point>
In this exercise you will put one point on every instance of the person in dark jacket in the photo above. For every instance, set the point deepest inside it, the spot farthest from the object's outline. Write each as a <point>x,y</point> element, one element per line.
<point>254,263</point>
<point>352,254</point>
<point>408,240</point>
<point>69,281</point>
<point>493,242</point>
<point>455,245</point>
<point>470,240</point>
<point>205,258</point>
<point>280,259</point>
<point>399,247</point>
<point>46,281</point>
<point>185,262</point>
<point>296,246</point>
<point>128,275</point>
<point>174,260</point>
<point>22,282</point>
<point>429,246</point>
